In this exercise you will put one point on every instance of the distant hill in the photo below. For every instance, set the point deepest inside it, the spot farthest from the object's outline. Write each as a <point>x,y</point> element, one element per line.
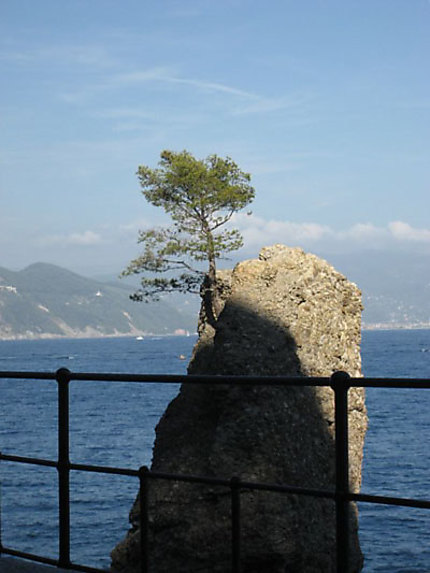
<point>46,300</point>
<point>395,286</point>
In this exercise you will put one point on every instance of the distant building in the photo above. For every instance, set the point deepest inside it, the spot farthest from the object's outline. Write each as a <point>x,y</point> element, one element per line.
<point>9,289</point>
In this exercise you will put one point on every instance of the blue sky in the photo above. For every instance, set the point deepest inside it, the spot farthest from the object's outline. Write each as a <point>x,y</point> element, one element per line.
<point>326,104</point>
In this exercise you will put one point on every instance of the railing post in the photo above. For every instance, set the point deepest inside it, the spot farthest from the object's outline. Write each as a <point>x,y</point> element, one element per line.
<point>235,524</point>
<point>340,385</point>
<point>63,378</point>
<point>144,518</point>
<point>1,524</point>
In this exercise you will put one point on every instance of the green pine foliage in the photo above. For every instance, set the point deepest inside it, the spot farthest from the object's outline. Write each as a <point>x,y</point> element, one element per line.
<point>200,196</point>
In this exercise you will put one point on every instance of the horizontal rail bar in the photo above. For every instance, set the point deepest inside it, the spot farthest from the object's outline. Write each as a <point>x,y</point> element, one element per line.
<point>104,470</point>
<point>32,556</point>
<point>405,383</point>
<point>48,560</point>
<point>77,467</point>
<point>281,488</point>
<point>64,376</point>
<point>388,500</point>
<point>407,502</point>
<point>419,383</point>
<point>27,460</point>
<point>172,378</point>
<point>26,375</point>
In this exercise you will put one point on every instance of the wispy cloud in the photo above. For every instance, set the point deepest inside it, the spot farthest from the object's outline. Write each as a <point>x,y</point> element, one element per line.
<point>157,75</point>
<point>363,232</point>
<point>263,104</point>
<point>84,239</point>
<point>138,119</point>
<point>133,227</point>
<point>167,75</point>
<point>89,55</point>
<point>214,87</point>
<point>240,101</point>
<point>108,80</point>
<point>258,232</point>
<point>404,232</point>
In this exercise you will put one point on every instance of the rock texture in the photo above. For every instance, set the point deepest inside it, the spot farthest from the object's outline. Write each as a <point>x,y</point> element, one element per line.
<point>287,313</point>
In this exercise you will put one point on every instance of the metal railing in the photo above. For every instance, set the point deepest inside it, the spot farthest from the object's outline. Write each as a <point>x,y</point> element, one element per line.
<point>340,382</point>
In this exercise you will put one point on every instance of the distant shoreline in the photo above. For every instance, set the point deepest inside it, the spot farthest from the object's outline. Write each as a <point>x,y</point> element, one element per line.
<point>137,335</point>
<point>86,336</point>
<point>387,326</point>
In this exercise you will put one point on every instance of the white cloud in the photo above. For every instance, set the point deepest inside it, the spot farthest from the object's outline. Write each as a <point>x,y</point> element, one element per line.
<point>404,232</point>
<point>242,102</point>
<point>157,73</point>
<point>87,238</point>
<point>133,227</point>
<point>160,75</point>
<point>258,232</point>
<point>167,75</point>
<point>214,86</point>
<point>92,55</point>
<point>362,232</point>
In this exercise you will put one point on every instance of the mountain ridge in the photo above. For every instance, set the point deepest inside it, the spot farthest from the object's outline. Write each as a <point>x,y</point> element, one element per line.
<point>395,286</point>
<point>46,301</point>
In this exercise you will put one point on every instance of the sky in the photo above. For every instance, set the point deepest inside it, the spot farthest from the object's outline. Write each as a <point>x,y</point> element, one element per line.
<point>325,102</point>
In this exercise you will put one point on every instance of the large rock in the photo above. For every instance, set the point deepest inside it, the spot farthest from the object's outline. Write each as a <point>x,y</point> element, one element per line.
<point>287,313</point>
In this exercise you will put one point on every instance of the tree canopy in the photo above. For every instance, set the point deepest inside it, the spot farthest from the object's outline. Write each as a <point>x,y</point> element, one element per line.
<point>200,196</point>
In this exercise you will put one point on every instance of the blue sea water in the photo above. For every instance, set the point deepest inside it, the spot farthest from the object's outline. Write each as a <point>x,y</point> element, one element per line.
<point>113,424</point>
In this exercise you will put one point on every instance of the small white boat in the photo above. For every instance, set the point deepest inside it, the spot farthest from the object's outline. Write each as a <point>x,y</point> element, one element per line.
<point>139,337</point>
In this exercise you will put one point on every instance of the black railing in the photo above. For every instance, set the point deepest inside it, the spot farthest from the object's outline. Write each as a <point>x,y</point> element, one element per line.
<point>340,382</point>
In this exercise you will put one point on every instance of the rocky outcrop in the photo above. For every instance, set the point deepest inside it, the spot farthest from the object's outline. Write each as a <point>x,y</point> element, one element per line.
<point>287,313</point>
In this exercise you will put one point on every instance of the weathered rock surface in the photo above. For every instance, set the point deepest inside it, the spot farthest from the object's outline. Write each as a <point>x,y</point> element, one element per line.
<point>287,313</point>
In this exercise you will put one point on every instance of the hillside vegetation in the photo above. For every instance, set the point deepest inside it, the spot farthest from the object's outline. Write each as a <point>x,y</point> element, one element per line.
<point>46,300</point>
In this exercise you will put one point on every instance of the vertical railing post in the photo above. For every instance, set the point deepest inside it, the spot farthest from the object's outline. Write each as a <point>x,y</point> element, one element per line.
<point>340,385</point>
<point>63,376</point>
<point>235,524</point>
<point>1,523</point>
<point>144,518</point>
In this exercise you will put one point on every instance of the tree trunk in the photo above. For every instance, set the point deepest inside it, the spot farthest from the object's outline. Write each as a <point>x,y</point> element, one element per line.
<point>209,291</point>
<point>210,295</point>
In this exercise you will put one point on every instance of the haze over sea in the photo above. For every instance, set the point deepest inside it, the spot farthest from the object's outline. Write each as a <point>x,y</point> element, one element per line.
<point>113,424</point>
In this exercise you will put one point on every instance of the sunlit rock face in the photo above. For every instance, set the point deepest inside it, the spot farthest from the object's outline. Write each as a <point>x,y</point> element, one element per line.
<point>285,313</point>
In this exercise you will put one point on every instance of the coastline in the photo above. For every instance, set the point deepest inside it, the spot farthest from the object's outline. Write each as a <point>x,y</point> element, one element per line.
<point>90,335</point>
<point>396,326</point>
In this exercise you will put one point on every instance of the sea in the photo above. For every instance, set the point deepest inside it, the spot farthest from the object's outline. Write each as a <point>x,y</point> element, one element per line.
<point>113,425</point>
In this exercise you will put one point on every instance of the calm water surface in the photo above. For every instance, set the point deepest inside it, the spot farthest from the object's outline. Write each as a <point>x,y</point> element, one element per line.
<point>113,424</point>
